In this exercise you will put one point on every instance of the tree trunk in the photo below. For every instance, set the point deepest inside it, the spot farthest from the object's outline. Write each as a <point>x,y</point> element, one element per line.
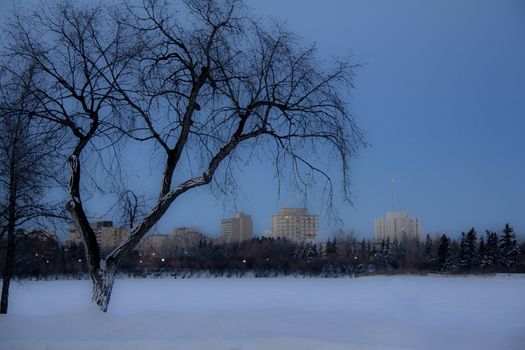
<point>5,293</point>
<point>11,225</point>
<point>102,287</point>
<point>9,263</point>
<point>8,272</point>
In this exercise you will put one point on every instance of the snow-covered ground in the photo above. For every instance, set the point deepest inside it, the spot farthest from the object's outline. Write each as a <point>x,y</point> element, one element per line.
<point>399,312</point>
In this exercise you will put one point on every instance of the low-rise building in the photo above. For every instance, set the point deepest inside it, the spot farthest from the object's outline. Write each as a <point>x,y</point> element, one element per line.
<point>108,237</point>
<point>184,238</point>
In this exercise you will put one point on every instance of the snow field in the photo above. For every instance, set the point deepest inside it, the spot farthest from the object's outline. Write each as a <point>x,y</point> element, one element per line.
<point>371,313</point>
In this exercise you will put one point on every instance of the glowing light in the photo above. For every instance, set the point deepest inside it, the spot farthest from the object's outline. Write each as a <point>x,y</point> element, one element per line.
<point>162,260</point>
<point>79,260</point>
<point>244,261</point>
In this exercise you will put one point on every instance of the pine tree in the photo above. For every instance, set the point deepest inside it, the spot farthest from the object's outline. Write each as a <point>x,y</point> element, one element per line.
<point>462,253</point>
<point>363,252</point>
<point>468,251</point>
<point>481,251</point>
<point>428,257</point>
<point>375,258</point>
<point>387,254</point>
<point>508,247</point>
<point>443,254</point>
<point>481,246</point>
<point>306,250</point>
<point>491,255</point>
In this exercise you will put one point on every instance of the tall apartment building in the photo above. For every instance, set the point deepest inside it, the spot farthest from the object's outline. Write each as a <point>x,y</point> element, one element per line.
<point>295,224</point>
<point>398,225</point>
<point>237,229</point>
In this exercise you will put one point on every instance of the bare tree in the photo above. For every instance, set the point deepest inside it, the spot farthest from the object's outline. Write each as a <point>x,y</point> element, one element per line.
<point>207,87</point>
<point>132,207</point>
<point>27,158</point>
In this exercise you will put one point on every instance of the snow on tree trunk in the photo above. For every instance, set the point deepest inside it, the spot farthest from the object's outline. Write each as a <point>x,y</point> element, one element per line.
<point>102,287</point>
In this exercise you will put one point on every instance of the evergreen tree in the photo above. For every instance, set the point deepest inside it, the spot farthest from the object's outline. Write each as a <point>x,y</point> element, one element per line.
<point>369,247</point>
<point>308,250</point>
<point>302,251</point>
<point>387,254</point>
<point>399,253</point>
<point>481,251</point>
<point>313,250</point>
<point>491,253</point>
<point>443,254</point>
<point>481,246</point>
<point>508,247</point>
<point>375,257</point>
<point>462,253</point>
<point>468,251</point>
<point>429,256</point>
<point>363,252</point>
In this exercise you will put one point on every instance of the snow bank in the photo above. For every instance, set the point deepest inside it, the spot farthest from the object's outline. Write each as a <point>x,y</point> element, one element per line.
<point>398,312</point>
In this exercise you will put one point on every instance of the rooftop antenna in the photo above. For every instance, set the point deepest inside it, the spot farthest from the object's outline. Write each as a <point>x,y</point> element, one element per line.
<point>392,183</point>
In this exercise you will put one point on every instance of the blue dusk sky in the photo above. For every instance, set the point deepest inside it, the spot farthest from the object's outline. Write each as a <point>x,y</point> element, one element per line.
<point>441,97</point>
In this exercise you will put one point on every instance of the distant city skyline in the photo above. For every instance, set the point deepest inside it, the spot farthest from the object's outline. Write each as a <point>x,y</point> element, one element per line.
<point>440,95</point>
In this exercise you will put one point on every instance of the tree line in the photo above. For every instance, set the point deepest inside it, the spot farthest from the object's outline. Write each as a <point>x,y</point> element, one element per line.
<point>43,257</point>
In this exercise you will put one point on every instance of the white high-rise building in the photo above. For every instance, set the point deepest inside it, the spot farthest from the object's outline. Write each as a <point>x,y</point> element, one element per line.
<point>398,225</point>
<point>295,224</point>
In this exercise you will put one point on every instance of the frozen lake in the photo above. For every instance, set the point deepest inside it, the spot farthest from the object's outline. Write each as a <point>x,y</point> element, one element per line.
<point>398,312</point>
